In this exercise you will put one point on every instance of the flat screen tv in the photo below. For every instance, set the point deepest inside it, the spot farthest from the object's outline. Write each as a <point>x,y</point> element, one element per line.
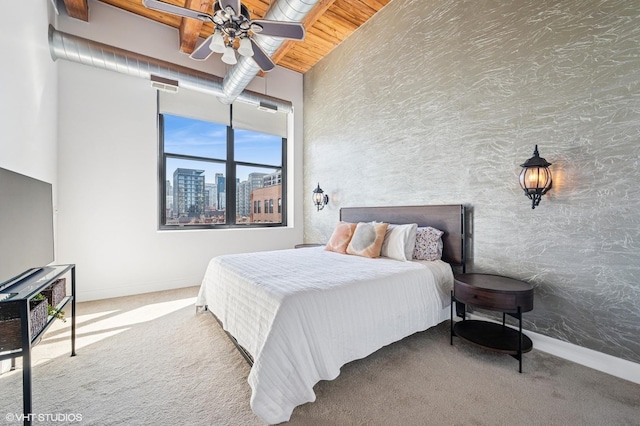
<point>26,226</point>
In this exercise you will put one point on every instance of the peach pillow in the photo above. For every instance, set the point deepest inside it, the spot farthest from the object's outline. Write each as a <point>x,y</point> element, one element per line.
<point>367,239</point>
<point>341,237</point>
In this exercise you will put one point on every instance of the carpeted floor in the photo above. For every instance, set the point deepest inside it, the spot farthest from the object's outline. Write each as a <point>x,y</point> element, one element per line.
<point>151,360</point>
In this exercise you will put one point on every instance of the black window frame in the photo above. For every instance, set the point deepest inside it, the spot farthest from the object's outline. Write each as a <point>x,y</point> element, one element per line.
<point>230,180</point>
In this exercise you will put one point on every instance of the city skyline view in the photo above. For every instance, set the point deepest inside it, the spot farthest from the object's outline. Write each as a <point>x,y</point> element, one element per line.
<point>195,163</point>
<point>207,139</point>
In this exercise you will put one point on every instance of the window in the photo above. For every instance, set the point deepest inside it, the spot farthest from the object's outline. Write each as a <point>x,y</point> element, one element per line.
<point>213,175</point>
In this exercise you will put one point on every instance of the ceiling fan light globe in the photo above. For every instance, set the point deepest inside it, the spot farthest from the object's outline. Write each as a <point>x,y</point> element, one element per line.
<point>217,43</point>
<point>229,56</point>
<point>245,48</point>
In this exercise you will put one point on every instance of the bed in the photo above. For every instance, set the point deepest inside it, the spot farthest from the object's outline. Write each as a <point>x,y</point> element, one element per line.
<point>299,315</point>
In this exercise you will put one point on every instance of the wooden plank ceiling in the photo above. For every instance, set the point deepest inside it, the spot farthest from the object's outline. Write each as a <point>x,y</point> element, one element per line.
<point>327,25</point>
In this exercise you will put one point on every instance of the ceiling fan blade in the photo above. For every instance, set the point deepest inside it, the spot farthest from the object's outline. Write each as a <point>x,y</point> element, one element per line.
<point>176,10</point>
<point>233,4</point>
<point>203,51</point>
<point>292,30</point>
<point>260,56</point>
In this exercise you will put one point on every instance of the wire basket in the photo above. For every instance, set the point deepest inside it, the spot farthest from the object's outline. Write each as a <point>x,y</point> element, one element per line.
<point>56,292</point>
<point>10,324</point>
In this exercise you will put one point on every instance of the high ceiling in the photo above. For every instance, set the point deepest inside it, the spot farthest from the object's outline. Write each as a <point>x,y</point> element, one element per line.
<point>327,24</point>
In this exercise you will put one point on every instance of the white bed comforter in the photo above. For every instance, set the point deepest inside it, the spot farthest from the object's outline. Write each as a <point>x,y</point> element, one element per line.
<point>302,314</point>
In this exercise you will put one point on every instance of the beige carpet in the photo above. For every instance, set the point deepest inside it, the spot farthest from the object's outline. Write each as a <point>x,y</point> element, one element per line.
<point>151,360</point>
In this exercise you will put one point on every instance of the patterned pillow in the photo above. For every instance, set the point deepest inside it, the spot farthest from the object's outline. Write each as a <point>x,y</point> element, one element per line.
<point>341,237</point>
<point>367,239</point>
<point>428,244</point>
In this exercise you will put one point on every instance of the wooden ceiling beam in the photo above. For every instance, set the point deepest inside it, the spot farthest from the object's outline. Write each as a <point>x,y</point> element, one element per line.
<point>190,28</point>
<point>78,9</point>
<point>328,23</point>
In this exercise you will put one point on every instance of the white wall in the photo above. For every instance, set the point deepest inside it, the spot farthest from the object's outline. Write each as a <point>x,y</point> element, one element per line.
<point>28,92</point>
<point>28,96</point>
<point>108,169</point>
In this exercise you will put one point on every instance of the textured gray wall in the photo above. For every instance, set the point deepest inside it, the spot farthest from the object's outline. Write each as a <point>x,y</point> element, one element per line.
<point>438,102</point>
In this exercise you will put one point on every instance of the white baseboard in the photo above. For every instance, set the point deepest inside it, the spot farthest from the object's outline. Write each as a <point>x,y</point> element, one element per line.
<point>609,364</point>
<point>131,289</point>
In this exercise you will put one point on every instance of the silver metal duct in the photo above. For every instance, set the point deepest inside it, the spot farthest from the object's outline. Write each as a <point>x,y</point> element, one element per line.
<point>87,52</point>
<point>239,77</point>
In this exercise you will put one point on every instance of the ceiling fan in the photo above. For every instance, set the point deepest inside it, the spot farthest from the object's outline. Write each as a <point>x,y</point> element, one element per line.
<point>233,30</point>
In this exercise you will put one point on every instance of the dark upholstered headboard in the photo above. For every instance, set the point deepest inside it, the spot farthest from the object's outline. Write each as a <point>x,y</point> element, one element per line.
<point>447,218</point>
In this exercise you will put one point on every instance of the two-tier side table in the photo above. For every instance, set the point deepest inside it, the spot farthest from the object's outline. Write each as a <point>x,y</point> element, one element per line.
<point>496,293</point>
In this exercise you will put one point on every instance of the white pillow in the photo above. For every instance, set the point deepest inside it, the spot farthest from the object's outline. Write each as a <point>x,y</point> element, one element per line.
<point>399,241</point>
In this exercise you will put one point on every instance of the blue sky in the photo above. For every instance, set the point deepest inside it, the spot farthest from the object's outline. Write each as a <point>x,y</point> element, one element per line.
<point>206,139</point>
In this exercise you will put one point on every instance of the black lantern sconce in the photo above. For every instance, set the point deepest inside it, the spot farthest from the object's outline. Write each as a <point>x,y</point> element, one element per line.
<point>320,199</point>
<point>535,178</point>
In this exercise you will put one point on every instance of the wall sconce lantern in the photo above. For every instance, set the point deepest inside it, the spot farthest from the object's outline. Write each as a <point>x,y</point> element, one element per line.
<point>535,178</point>
<point>320,199</point>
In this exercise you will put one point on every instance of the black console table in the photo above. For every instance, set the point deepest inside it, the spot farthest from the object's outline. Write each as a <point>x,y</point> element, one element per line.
<point>496,293</point>
<point>21,292</point>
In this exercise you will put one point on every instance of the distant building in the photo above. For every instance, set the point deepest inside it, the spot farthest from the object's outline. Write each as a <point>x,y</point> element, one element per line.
<point>272,179</point>
<point>243,199</point>
<point>211,195</point>
<point>256,180</point>
<point>266,204</point>
<point>169,198</point>
<point>222,204</point>
<point>220,190</point>
<point>169,201</point>
<point>188,193</point>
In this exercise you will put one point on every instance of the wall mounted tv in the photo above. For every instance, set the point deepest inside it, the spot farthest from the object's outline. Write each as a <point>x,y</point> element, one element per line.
<point>26,226</point>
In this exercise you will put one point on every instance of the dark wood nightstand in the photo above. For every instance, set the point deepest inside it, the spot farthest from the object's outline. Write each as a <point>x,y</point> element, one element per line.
<point>496,293</point>
<point>307,245</point>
